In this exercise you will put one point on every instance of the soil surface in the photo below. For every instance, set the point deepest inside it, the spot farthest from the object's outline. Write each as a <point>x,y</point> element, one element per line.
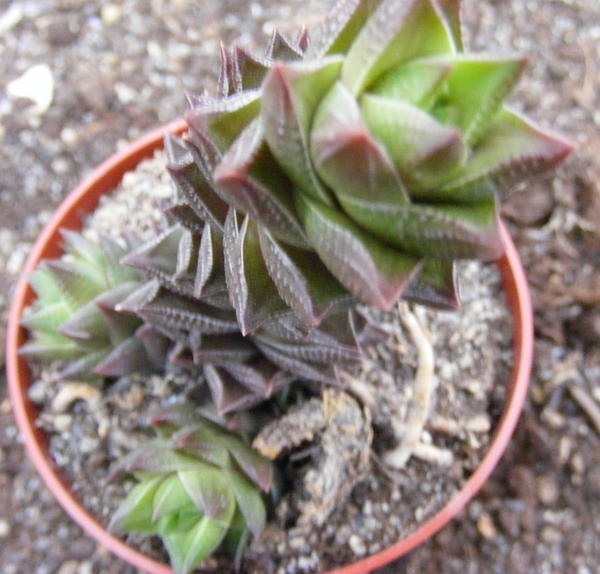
<point>107,72</point>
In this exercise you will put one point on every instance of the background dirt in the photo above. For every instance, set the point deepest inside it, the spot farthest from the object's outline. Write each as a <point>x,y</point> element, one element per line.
<point>119,69</point>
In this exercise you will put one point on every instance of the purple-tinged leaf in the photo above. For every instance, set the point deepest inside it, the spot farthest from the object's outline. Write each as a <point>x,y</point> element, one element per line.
<point>182,213</point>
<point>210,273</point>
<point>86,326</point>
<point>291,94</point>
<point>281,49</point>
<point>255,466</point>
<point>435,286</point>
<point>127,358</point>
<point>398,31</point>
<point>253,294</point>
<point>221,349</point>
<point>159,258</point>
<point>418,144</point>
<point>193,183</point>
<point>259,376</point>
<point>303,40</point>
<point>249,70</point>
<point>302,280</point>
<point>227,393</point>
<point>82,368</point>
<point>513,148</point>
<point>227,84</point>
<point>371,270</point>
<point>156,346</point>
<point>251,181</point>
<point>155,456</point>
<point>347,156</point>
<point>440,231</point>
<point>320,373</point>
<point>187,260</point>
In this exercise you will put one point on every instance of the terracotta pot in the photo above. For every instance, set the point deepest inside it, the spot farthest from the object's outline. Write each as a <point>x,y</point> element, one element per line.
<point>82,201</point>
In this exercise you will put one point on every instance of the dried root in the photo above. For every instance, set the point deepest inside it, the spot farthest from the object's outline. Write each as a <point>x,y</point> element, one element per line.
<point>409,432</point>
<point>341,429</point>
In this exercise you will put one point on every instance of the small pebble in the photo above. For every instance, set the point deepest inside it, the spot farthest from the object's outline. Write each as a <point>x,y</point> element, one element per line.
<point>486,527</point>
<point>62,422</point>
<point>4,529</point>
<point>357,545</point>
<point>111,14</point>
<point>547,490</point>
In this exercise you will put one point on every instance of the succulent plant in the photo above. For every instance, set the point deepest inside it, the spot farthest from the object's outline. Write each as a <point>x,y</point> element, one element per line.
<point>199,487</point>
<point>356,168</point>
<point>74,317</point>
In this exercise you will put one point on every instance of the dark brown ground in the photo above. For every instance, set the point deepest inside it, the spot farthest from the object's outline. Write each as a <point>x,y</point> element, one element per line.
<point>121,70</point>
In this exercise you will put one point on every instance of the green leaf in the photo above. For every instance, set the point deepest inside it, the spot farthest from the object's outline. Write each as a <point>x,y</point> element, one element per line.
<point>82,248</point>
<point>49,347</point>
<point>468,231</point>
<point>512,149</point>
<point>291,94</point>
<point>189,549</point>
<point>45,287</point>
<point>251,181</point>
<point>78,281</point>
<point>225,119</point>
<point>415,82</point>
<point>341,26</point>
<point>255,466</point>
<point>419,145</point>
<point>210,492</point>
<point>474,90</point>
<point>250,502</point>
<point>135,514</point>
<point>253,293</point>
<point>171,498</point>
<point>398,31</point>
<point>372,271</point>
<point>451,11</point>
<point>46,318</point>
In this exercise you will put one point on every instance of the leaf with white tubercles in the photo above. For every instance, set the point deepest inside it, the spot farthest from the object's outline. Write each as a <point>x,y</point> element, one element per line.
<point>511,149</point>
<point>290,96</point>
<point>368,268</point>
<point>441,231</point>
<point>341,26</point>
<point>193,183</point>
<point>251,181</point>
<point>253,293</point>
<point>418,144</point>
<point>227,392</point>
<point>302,280</point>
<point>224,120</point>
<point>398,31</point>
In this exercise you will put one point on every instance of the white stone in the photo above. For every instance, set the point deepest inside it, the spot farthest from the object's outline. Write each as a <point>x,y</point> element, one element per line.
<point>37,85</point>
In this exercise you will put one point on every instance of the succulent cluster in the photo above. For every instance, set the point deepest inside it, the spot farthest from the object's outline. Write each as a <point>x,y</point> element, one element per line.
<point>75,316</point>
<point>199,487</point>
<point>353,167</point>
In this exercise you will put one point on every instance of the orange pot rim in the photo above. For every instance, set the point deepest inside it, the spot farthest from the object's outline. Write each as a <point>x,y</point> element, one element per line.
<point>83,200</point>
